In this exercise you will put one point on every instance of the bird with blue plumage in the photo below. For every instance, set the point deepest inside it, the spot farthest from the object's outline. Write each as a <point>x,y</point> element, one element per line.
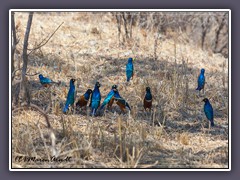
<point>70,96</point>
<point>201,81</point>
<point>122,103</point>
<point>109,98</point>
<point>45,81</point>
<point>208,110</point>
<point>83,100</point>
<point>129,69</point>
<point>147,102</point>
<point>95,99</point>
<point>110,103</point>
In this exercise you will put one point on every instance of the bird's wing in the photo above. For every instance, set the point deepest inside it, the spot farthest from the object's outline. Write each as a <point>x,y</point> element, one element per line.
<point>107,99</point>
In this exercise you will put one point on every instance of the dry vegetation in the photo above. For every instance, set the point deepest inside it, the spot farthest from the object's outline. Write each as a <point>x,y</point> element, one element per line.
<point>90,48</point>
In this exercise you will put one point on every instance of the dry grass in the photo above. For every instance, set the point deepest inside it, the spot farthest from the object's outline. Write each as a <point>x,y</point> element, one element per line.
<point>174,135</point>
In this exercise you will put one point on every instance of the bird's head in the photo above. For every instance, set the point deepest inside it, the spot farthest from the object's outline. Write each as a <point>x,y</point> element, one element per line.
<point>40,76</point>
<point>114,86</point>
<point>205,100</point>
<point>202,70</point>
<point>72,81</point>
<point>130,59</point>
<point>148,89</point>
<point>89,91</point>
<point>97,84</point>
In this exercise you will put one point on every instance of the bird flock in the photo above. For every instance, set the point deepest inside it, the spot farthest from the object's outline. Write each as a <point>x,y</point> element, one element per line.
<point>94,96</point>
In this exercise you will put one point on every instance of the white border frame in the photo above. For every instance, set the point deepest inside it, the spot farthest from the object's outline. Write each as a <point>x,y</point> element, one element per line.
<point>119,10</point>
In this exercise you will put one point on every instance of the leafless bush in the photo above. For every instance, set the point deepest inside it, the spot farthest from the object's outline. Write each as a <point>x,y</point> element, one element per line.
<point>209,28</point>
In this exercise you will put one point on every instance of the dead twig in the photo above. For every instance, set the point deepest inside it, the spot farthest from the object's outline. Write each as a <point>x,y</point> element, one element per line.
<point>41,44</point>
<point>14,72</point>
<point>33,106</point>
<point>32,74</point>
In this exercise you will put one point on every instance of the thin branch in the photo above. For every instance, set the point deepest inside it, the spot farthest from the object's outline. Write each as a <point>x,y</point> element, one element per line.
<point>41,44</point>
<point>14,72</point>
<point>33,106</point>
<point>32,74</point>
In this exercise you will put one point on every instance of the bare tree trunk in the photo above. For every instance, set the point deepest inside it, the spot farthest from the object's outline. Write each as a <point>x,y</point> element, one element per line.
<point>118,18</point>
<point>14,43</point>
<point>131,24</point>
<point>156,41</point>
<point>218,32</point>
<point>125,25</point>
<point>25,60</point>
<point>205,28</point>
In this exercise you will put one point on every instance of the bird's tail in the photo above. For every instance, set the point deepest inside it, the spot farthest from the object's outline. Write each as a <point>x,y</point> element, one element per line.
<point>128,106</point>
<point>77,104</point>
<point>212,123</point>
<point>129,75</point>
<point>58,83</point>
<point>102,106</point>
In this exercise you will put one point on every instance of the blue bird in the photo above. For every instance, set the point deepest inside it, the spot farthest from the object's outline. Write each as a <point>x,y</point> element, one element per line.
<point>70,96</point>
<point>201,81</point>
<point>122,103</point>
<point>147,102</point>
<point>46,82</point>
<point>95,99</point>
<point>83,100</point>
<point>109,97</point>
<point>129,69</point>
<point>117,95</point>
<point>208,111</point>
